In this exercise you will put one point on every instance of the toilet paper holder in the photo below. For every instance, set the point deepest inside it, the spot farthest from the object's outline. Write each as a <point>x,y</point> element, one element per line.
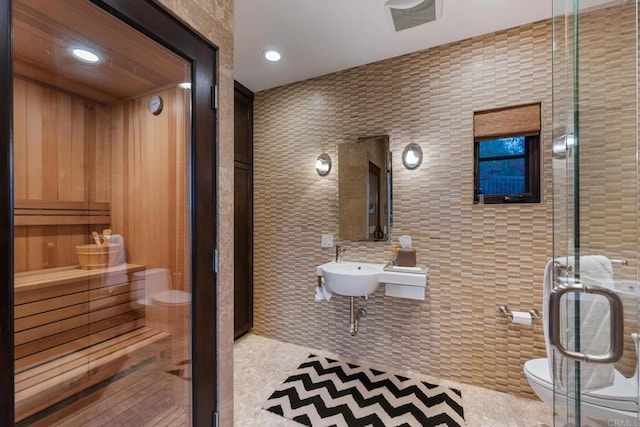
<point>504,310</point>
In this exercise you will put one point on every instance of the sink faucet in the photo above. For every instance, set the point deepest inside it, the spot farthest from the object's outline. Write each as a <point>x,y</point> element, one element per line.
<point>339,251</point>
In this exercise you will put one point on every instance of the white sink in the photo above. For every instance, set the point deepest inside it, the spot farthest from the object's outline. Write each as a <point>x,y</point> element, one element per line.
<point>351,279</point>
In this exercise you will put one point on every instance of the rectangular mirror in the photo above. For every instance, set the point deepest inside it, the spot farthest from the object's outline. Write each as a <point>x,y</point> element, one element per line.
<point>364,181</point>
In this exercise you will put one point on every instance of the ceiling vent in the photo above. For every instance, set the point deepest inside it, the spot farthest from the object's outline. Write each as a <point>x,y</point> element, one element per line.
<point>403,14</point>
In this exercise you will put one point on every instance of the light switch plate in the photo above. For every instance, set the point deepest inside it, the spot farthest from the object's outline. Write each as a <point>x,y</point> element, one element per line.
<point>327,240</point>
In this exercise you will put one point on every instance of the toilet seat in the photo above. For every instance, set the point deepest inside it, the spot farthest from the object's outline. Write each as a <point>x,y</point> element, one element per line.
<point>157,282</point>
<point>621,395</point>
<point>171,297</point>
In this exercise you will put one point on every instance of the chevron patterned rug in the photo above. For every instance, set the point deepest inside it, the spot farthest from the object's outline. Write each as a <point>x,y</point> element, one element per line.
<point>326,392</point>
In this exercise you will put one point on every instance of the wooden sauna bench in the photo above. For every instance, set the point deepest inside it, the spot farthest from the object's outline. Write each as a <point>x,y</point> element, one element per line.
<point>75,328</point>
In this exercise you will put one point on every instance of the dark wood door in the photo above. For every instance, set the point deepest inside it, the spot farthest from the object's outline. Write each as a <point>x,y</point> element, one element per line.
<point>243,211</point>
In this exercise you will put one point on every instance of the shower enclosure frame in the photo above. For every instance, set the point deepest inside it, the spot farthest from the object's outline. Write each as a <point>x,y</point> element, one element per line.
<point>582,132</point>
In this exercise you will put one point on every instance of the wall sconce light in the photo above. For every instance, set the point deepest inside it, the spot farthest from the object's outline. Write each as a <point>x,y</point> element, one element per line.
<point>323,164</point>
<point>412,156</point>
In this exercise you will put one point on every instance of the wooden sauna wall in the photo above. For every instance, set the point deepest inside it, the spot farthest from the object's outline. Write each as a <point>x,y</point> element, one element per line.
<point>149,181</point>
<point>69,148</point>
<point>61,153</point>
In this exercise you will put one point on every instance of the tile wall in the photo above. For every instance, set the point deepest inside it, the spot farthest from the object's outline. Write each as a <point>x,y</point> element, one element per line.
<point>478,256</point>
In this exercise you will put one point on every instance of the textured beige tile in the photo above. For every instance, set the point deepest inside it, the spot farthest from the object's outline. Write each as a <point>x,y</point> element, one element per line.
<point>478,256</point>
<point>428,98</point>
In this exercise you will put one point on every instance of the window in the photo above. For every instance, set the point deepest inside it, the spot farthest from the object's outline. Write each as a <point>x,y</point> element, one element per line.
<point>507,155</point>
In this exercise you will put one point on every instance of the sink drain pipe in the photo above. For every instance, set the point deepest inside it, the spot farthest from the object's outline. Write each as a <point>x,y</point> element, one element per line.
<point>355,315</point>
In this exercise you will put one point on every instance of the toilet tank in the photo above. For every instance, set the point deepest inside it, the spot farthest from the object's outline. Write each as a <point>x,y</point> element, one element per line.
<point>156,280</point>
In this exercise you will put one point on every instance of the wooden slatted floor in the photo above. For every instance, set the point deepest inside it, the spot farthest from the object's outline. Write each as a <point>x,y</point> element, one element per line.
<point>150,396</point>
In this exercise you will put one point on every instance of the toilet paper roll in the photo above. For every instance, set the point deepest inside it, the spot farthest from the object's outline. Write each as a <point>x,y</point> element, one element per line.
<point>521,317</point>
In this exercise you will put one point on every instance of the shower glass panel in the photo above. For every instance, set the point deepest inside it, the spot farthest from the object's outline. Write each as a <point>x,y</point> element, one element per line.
<point>102,119</point>
<point>595,210</point>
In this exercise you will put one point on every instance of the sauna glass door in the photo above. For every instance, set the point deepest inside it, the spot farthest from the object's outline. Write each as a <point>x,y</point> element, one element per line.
<point>592,308</point>
<point>102,220</point>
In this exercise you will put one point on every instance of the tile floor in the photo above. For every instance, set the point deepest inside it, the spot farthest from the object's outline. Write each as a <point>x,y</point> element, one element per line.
<point>262,364</point>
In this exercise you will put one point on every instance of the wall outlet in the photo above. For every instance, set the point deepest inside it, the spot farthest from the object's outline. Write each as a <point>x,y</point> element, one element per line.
<point>327,240</point>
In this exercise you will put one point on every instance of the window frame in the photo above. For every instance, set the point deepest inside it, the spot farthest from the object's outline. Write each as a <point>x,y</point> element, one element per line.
<point>532,170</point>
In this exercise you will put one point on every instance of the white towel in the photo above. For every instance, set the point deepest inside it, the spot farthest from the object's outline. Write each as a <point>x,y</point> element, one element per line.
<point>322,292</point>
<point>595,270</point>
<point>121,256</point>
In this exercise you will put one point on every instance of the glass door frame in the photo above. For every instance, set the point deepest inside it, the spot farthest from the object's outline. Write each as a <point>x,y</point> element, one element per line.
<point>154,22</point>
<point>565,105</point>
<point>573,227</point>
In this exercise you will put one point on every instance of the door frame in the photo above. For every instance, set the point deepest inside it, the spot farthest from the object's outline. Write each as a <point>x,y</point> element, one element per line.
<point>244,161</point>
<point>7,368</point>
<point>153,21</point>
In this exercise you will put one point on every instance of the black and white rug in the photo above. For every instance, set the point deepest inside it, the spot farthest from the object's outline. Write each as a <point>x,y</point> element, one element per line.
<point>326,392</point>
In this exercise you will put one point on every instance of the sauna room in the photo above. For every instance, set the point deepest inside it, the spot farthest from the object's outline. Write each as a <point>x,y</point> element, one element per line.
<point>101,217</point>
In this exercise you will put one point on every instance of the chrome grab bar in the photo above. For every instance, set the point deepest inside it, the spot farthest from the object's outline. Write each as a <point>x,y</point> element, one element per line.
<point>562,267</point>
<point>619,261</point>
<point>559,266</point>
<point>564,270</point>
<point>616,322</point>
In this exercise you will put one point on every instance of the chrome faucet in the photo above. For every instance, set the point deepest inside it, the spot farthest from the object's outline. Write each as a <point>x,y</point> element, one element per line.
<point>339,251</point>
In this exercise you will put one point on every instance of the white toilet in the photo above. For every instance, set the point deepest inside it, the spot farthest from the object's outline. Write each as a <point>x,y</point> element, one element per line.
<point>615,402</point>
<point>167,309</point>
<point>158,289</point>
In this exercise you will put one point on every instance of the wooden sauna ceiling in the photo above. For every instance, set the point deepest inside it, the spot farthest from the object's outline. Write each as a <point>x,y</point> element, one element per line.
<point>45,31</point>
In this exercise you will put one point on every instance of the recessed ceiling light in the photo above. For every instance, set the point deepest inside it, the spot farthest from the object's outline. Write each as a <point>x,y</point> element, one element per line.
<point>85,55</point>
<point>272,55</point>
<point>184,85</point>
